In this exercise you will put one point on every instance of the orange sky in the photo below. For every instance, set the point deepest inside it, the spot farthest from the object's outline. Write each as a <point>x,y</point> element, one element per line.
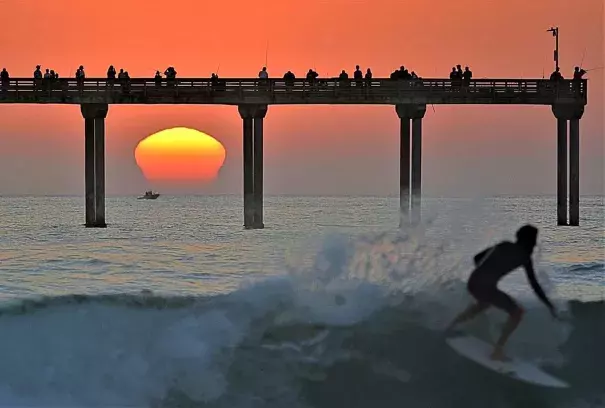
<point>343,149</point>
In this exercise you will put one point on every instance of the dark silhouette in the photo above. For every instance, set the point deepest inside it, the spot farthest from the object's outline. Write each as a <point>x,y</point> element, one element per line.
<point>491,265</point>
<point>467,75</point>
<point>170,75</point>
<point>578,74</point>
<point>358,76</point>
<point>111,76</point>
<point>453,74</point>
<point>4,79</point>
<point>37,73</point>
<point>263,74</point>
<point>312,76</point>
<point>158,79</point>
<point>289,78</point>
<point>368,75</point>
<point>556,75</point>
<point>80,74</point>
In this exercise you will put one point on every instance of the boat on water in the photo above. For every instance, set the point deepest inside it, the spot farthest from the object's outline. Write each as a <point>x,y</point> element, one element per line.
<point>149,195</point>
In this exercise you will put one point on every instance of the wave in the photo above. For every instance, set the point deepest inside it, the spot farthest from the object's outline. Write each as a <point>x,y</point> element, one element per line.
<point>362,326</point>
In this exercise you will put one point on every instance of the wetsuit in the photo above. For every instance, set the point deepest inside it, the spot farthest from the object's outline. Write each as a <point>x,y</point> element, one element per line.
<point>492,265</point>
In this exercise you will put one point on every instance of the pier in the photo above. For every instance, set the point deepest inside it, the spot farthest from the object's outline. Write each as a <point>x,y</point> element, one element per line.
<point>567,99</point>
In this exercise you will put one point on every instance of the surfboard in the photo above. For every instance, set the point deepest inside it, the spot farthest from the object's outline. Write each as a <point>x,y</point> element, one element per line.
<point>479,352</point>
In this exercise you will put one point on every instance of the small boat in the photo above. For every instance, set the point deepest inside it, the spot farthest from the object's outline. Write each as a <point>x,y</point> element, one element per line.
<point>149,195</point>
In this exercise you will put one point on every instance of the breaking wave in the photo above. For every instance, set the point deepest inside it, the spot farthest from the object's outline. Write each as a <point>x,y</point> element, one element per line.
<point>361,326</point>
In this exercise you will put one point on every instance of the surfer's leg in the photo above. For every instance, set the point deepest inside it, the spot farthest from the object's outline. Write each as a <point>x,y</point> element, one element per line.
<point>471,311</point>
<point>515,313</point>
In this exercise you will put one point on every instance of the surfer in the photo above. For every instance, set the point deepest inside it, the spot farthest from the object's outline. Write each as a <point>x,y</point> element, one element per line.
<point>493,264</point>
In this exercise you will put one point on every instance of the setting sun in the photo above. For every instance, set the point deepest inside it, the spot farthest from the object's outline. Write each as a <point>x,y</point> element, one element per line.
<point>180,154</point>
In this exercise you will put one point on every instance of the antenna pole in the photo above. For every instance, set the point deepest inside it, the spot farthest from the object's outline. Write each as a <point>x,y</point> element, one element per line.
<point>555,33</point>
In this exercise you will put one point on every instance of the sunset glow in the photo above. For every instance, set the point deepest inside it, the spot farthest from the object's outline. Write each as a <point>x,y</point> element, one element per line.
<point>180,154</point>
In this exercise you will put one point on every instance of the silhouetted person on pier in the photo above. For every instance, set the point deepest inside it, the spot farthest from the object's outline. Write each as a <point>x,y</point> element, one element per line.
<point>216,83</point>
<point>289,78</point>
<point>46,79</point>
<point>343,79</point>
<point>358,76</point>
<point>578,74</point>
<point>170,75</point>
<point>556,75</point>
<point>467,75</point>
<point>4,79</point>
<point>263,76</point>
<point>312,76</point>
<point>111,72</point>
<point>158,79</point>
<point>80,76</point>
<point>491,265</point>
<point>111,76</point>
<point>37,73</point>
<point>413,75</point>
<point>368,75</point>
<point>37,78</point>
<point>453,74</point>
<point>456,76</point>
<point>122,78</point>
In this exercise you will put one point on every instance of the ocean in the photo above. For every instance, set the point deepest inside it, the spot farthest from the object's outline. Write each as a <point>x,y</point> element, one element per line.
<point>331,305</point>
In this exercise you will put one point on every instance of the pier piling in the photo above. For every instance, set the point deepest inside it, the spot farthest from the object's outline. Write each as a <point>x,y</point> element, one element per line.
<point>94,162</point>
<point>410,113</point>
<point>571,113</point>
<point>253,116</point>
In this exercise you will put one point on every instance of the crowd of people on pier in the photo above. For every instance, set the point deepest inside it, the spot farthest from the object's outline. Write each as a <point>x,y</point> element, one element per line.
<point>458,76</point>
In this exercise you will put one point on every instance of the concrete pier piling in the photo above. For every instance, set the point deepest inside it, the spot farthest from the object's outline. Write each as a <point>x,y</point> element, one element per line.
<point>574,172</point>
<point>94,162</point>
<point>565,113</point>
<point>410,113</point>
<point>253,116</point>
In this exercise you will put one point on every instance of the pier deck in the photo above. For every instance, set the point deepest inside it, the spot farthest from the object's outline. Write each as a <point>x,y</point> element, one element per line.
<point>234,91</point>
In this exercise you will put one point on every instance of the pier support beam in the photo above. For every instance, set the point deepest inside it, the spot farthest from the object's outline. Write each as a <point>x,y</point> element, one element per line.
<point>94,162</point>
<point>568,113</point>
<point>415,114</point>
<point>574,172</point>
<point>561,172</point>
<point>253,116</point>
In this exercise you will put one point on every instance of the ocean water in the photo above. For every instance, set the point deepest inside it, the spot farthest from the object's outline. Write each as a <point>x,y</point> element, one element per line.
<point>176,305</point>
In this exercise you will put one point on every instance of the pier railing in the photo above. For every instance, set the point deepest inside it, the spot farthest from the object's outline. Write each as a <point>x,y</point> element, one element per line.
<point>235,91</point>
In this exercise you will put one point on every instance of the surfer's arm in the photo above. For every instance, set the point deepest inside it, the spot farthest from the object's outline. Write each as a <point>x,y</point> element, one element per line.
<point>531,276</point>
